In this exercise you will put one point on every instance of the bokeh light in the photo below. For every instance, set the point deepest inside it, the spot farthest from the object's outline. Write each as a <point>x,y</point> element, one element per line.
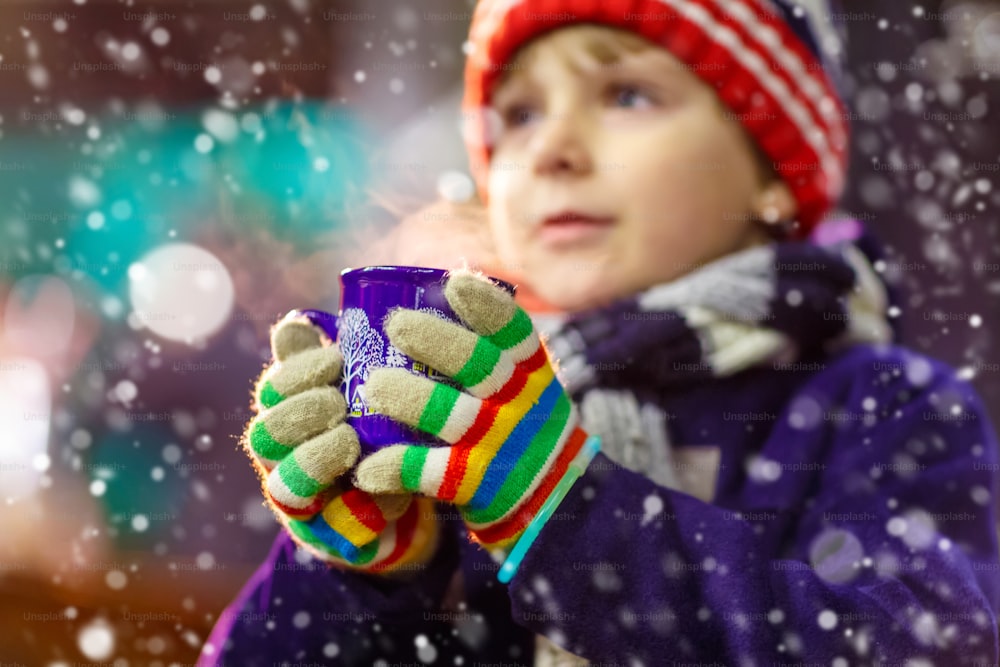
<point>181,292</point>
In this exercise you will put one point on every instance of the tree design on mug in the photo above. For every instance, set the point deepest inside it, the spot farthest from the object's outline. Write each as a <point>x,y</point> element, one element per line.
<point>362,347</point>
<point>394,357</point>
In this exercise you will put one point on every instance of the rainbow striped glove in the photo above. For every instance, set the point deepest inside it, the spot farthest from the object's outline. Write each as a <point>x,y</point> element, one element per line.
<point>513,431</point>
<point>301,446</point>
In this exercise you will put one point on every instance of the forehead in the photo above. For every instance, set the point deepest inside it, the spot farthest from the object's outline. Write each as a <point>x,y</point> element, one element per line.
<point>583,48</point>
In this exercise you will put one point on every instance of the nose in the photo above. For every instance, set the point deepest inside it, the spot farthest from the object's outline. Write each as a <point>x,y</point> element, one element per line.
<point>559,147</point>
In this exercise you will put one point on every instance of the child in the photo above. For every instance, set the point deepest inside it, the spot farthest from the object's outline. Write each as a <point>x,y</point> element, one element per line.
<point>777,482</point>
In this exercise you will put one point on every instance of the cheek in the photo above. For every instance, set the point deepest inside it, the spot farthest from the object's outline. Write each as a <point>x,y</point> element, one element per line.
<point>728,177</point>
<point>699,168</point>
<point>505,232</point>
<point>686,202</point>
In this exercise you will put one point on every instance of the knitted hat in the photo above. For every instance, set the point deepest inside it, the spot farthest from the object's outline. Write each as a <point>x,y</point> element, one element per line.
<point>772,63</point>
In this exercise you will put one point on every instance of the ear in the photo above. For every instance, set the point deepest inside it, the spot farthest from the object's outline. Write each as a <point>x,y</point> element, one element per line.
<point>774,203</point>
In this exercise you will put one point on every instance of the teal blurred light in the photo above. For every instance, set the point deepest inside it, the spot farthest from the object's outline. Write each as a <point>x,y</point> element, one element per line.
<point>139,482</point>
<point>95,203</point>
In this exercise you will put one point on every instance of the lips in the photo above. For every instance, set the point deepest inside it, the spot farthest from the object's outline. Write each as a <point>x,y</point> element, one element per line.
<point>575,217</point>
<point>568,228</point>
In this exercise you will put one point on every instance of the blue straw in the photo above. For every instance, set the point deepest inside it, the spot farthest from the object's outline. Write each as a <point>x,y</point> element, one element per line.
<point>576,468</point>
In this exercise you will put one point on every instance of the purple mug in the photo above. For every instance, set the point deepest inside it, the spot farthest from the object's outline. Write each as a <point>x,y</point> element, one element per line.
<point>367,295</point>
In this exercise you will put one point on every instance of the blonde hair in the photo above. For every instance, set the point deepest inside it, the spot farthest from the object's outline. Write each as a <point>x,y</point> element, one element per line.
<point>606,46</point>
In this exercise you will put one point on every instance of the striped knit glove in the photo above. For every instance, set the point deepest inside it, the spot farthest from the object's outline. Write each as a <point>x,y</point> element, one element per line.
<point>301,446</point>
<point>513,431</point>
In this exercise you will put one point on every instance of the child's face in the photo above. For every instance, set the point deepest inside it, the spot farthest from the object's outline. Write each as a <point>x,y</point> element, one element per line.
<point>642,144</point>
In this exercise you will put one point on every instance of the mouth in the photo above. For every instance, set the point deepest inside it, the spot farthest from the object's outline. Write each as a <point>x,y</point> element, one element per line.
<point>575,218</point>
<point>567,228</point>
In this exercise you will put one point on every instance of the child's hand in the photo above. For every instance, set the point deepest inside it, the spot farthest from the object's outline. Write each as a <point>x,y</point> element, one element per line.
<point>513,433</point>
<point>301,446</point>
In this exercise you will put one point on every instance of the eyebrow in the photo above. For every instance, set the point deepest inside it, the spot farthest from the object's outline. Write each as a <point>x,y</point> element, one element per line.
<point>600,48</point>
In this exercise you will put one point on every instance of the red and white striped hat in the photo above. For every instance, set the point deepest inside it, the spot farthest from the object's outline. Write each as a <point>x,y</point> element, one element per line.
<point>770,61</point>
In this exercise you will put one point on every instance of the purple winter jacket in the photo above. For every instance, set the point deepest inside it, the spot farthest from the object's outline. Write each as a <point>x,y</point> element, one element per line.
<point>849,520</point>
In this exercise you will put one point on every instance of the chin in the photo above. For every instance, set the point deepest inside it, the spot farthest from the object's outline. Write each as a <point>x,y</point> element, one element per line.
<point>574,297</point>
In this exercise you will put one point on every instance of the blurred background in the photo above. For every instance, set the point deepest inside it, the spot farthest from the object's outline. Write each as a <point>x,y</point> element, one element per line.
<point>176,175</point>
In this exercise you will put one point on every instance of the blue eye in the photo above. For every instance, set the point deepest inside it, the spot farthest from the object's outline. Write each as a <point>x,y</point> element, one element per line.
<point>631,96</point>
<point>518,115</point>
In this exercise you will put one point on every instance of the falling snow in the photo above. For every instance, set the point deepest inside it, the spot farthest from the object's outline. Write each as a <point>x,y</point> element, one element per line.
<point>184,203</point>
